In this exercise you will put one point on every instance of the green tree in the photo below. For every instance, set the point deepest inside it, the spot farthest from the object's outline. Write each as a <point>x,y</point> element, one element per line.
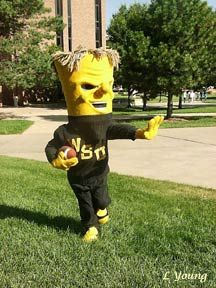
<point>14,14</point>
<point>172,43</point>
<point>24,47</point>
<point>182,32</point>
<point>208,63</point>
<point>126,35</point>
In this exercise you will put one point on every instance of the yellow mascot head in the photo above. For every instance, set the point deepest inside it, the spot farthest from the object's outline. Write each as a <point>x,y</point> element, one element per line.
<point>86,77</point>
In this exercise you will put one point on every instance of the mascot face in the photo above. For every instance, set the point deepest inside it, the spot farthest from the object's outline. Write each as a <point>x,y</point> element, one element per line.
<point>88,90</point>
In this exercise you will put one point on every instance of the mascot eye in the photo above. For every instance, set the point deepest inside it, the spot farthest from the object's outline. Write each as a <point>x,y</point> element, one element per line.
<point>87,86</point>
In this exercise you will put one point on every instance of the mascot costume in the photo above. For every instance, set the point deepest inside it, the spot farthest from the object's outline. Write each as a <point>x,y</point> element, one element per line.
<point>87,78</point>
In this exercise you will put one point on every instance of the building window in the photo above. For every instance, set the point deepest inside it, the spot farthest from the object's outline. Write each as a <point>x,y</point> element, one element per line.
<point>59,12</point>
<point>98,23</point>
<point>69,25</point>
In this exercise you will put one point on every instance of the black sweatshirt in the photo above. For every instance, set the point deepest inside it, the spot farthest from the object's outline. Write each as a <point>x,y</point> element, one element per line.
<point>89,136</point>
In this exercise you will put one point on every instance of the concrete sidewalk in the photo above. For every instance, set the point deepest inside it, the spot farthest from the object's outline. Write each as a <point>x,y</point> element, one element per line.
<point>183,155</point>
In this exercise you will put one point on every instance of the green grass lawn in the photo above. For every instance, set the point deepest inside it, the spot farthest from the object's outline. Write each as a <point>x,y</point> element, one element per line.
<point>152,110</point>
<point>18,126</point>
<point>14,126</point>
<point>156,227</point>
<point>211,98</point>
<point>200,109</point>
<point>178,122</point>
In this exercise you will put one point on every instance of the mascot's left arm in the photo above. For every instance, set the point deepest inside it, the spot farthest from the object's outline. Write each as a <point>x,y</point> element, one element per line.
<point>151,131</point>
<point>125,131</point>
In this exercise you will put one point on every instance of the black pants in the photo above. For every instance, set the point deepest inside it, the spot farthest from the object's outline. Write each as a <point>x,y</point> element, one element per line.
<point>91,197</point>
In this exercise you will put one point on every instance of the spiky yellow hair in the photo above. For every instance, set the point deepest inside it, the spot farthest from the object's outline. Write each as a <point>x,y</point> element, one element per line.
<point>72,59</point>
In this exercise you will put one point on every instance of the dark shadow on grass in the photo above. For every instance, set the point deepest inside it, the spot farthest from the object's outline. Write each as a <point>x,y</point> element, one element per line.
<point>4,115</point>
<point>60,223</point>
<point>58,118</point>
<point>198,105</point>
<point>159,107</point>
<point>130,118</point>
<point>51,106</point>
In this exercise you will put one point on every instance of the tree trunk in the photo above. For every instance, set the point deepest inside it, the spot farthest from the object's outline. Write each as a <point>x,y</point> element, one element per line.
<point>180,102</point>
<point>129,101</point>
<point>15,97</point>
<point>144,99</point>
<point>1,101</point>
<point>169,105</point>
<point>160,97</point>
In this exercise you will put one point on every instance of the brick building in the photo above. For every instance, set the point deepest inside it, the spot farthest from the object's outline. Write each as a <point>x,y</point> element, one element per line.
<point>85,22</point>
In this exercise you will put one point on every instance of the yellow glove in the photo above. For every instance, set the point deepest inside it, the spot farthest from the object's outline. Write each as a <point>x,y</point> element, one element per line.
<point>150,132</point>
<point>62,163</point>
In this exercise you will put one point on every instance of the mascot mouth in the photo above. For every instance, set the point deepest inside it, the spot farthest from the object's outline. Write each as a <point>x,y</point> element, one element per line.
<point>99,105</point>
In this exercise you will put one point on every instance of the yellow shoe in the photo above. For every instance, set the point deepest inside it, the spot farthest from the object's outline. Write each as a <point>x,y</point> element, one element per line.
<point>103,216</point>
<point>91,234</point>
